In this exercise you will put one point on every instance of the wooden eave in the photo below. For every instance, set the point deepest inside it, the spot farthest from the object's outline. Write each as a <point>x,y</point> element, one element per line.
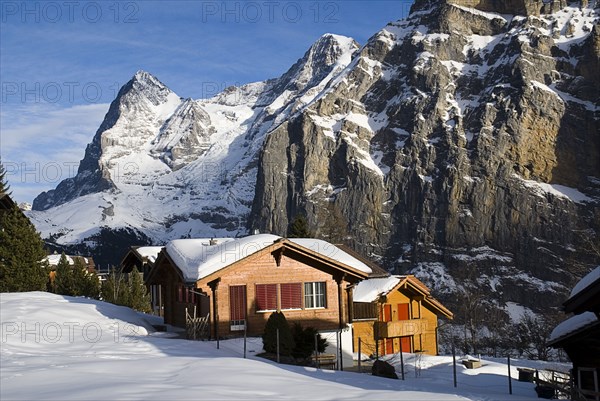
<point>587,299</point>
<point>130,253</point>
<point>422,292</point>
<point>576,335</point>
<point>6,201</point>
<point>163,259</point>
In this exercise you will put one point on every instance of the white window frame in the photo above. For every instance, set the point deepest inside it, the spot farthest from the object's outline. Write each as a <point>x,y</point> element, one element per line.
<point>315,296</point>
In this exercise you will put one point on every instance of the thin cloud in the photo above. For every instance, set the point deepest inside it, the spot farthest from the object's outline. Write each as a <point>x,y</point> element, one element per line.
<point>42,144</point>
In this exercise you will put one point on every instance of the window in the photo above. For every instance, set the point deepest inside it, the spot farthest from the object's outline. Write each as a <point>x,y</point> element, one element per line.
<point>237,307</point>
<point>314,295</point>
<point>266,297</point>
<point>365,310</point>
<point>291,295</point>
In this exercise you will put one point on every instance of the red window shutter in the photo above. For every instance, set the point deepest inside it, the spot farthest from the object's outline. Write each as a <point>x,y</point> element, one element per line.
<point>180,294</point>
<point>266,296</point>
<point>291,295</point>
<point>237,302</point>
<point>403,311</point>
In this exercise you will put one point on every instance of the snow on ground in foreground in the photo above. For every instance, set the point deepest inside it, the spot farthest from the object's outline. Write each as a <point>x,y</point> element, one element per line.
<point>66,348</point>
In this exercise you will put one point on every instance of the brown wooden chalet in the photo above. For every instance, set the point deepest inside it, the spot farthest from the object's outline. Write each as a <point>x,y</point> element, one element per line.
<point>140,257</point>
<point>579,336</point>
<point>396,314</point>
<point>143,258</point>
<point>240,282</point>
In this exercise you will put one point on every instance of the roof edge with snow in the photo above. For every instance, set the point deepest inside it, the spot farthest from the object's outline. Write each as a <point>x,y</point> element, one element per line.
<point>199,258</point>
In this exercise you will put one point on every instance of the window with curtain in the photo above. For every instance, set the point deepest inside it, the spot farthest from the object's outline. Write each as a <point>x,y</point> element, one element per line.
<point>315,295</point>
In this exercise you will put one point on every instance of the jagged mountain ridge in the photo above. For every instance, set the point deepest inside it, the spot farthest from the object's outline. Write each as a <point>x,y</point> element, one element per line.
<point>451,140</point>
<point>482,131</point>
<point>163,167</point>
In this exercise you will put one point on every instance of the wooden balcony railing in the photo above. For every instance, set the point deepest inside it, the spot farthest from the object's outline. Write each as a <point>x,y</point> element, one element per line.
<point>400,328</point>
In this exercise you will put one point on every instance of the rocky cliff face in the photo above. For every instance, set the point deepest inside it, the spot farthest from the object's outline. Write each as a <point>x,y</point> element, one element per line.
<point>461,144</point>
<point>457,140</point>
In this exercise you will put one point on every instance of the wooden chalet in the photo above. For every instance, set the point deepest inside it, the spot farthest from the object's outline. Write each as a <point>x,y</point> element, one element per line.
<point>140,257</point>
<point>396,314</point>
<point>240,282</point>
<point>86,261</point>
<point>6,202</point>
<point>143,258</point>
<point>579,336</point>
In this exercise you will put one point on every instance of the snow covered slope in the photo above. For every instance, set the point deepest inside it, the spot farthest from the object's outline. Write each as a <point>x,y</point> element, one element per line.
<point>65,348</point>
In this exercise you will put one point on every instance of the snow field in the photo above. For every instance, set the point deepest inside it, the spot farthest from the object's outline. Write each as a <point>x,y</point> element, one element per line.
<point>88,361</point>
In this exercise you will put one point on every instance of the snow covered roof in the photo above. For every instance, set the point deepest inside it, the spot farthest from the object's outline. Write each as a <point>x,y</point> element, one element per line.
<point>331,251</point>
<point>198,258</point>
<point>149,252</point>
<point>370,290</point>
<point>586,281</point>
<point>55,258</point>
<point>572,325</point>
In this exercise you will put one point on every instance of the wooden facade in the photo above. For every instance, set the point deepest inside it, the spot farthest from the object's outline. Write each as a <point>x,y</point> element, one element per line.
<point>579,336</point>
<point>308,287</point>
<point>401,318</point>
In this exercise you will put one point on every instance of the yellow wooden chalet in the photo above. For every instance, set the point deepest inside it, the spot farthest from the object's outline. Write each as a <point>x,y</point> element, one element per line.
<point>396,314</point>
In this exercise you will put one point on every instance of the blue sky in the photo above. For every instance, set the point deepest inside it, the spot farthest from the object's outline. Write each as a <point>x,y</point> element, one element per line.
<point>62,63</point>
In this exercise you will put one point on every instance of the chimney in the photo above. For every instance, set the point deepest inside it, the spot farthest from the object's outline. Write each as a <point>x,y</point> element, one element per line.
<point>212,241</point>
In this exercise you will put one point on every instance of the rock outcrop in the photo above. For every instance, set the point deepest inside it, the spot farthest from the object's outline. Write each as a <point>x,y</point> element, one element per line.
<point>461,144</point>
<point>458,140</point>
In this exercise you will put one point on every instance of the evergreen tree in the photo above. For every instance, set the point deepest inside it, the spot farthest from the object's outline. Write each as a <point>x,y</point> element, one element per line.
<point>298,228</point>
<point>64,278</point>
<point>277,321</point>
<point>4,187</point>
<point>91,282</point>
<point>139,295</point>
<point>23,265</point>
<point>304,340</point>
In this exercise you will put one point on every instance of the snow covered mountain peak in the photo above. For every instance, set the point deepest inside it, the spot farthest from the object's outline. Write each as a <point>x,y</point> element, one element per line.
<point>168,167</point>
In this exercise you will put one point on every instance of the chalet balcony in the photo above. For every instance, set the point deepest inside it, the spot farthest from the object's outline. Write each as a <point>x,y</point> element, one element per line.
<point>400,328</point>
